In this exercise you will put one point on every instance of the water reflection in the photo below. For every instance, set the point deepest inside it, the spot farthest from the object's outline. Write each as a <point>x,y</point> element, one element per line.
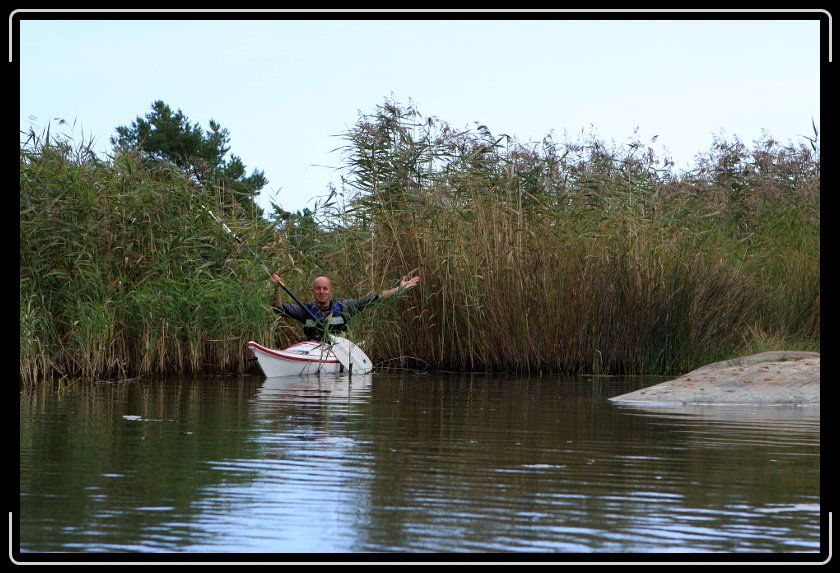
<point>119,467</point>
<point>413,463</point>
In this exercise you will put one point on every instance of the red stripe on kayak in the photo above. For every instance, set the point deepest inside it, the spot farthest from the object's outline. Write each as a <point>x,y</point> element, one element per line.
<point>279,354</point>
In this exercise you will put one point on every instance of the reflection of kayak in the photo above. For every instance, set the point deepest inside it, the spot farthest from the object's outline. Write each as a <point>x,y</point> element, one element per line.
<point>284,390</point>
<point>311,357</point>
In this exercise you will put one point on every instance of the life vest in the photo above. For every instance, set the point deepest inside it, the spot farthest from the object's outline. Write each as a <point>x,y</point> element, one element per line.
<point>333,323</point>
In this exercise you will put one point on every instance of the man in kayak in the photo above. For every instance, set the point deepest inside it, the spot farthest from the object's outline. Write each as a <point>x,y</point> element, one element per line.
<point>332,314</point>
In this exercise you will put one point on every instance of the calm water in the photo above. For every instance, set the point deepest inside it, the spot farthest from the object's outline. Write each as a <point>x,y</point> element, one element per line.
<point>410,463</point>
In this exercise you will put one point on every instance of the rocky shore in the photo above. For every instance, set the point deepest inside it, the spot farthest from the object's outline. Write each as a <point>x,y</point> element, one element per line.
<point>765,379</point>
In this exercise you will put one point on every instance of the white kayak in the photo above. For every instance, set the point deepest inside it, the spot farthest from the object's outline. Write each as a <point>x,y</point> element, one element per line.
<point>312,357</point>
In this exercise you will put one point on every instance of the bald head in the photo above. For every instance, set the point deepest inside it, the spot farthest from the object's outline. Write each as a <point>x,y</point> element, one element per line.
<point>322,281</point>
<point>322,289</point>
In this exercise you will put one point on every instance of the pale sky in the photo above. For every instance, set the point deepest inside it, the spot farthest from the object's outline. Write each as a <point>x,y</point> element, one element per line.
<point>287,89</point>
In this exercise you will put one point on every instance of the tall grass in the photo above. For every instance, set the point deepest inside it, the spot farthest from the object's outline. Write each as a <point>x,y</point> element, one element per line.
<point>572,256</point>
<point>123,273</point>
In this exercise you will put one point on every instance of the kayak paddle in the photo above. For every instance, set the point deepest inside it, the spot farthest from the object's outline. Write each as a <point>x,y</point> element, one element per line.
<point>342,351</point>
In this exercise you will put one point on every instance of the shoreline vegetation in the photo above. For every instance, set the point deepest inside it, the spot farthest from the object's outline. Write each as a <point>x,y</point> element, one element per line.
<point>554,256</point>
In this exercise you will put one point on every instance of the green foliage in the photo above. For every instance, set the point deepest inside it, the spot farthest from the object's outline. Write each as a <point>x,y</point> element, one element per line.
<point>167,136</point>
<point>123,272</point>
<point>572,256</point>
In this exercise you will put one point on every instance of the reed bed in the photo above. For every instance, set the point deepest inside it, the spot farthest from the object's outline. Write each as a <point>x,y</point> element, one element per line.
<point>573,257</point>
<point>123,273</point>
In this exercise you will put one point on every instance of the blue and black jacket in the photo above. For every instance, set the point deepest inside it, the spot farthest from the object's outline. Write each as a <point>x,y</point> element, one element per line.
<point>333,319</point>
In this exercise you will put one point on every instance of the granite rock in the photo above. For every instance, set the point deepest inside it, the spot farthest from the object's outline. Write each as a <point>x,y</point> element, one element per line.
<point>768,378</point>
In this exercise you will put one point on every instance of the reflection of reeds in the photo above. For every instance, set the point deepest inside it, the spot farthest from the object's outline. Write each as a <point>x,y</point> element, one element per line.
<point>569,257</point>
